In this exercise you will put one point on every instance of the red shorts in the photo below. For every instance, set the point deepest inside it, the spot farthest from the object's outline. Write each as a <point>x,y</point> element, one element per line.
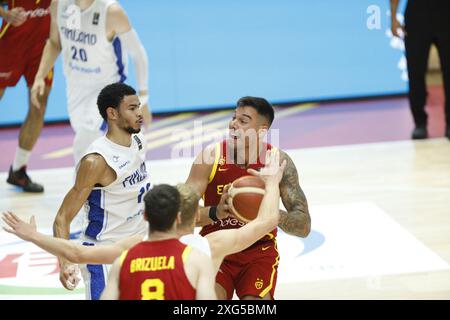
<point>251,272</point>
<point>17,60</point>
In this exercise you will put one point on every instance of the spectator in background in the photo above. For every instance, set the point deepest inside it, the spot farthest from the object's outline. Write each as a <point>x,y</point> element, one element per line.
<point>426,22</point>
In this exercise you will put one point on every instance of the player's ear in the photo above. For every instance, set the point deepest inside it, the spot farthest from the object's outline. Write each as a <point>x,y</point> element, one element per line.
<point>145,216</point>
<point>178,219</point>
<point>112,113</point>
<point>262,131</point>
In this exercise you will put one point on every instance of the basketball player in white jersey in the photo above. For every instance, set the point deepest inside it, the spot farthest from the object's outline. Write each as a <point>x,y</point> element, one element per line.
<point>111,180</point>
<point>217,244</point>
<point>93,37</point>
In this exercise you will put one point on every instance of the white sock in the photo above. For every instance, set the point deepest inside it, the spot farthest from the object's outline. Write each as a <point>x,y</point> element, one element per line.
<point>21,158</point>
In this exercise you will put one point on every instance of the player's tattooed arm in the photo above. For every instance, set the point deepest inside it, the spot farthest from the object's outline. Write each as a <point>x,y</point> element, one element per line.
<point>296,221</point>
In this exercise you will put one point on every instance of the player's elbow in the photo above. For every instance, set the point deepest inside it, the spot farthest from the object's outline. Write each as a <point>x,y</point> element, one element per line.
<point>300,227</point>
<point>61,226</point>
<point>305,229</point>
<point>59,222</point>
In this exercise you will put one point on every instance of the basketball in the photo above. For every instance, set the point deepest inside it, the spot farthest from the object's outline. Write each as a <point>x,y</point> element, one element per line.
<point>246,194</point>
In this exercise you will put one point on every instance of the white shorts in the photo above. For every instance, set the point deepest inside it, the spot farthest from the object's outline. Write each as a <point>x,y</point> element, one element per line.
<point>82,107</point>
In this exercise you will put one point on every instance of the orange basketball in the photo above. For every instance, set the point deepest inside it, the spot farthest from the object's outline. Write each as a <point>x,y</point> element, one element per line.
<point>246,194</point>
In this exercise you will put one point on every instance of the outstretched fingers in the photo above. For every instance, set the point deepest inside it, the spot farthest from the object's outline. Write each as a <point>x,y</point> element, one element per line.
<point>9,218</point>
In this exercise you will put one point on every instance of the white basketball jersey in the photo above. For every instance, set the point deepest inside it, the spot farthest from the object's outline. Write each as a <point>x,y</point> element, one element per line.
<point>116,211</point>
<point>195,241</point>
<point>198,242</point>
<point>88,57</point>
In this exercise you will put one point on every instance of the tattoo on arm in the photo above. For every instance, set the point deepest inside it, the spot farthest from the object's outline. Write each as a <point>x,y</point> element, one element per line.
<point>296,221</point>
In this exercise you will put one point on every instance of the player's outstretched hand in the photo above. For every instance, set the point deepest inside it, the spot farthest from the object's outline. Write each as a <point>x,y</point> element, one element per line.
<point>69,272</point>
<point>272,172</point>
<point>19,227</point>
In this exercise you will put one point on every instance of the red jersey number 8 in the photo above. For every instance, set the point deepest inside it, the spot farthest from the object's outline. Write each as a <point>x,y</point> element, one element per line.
<point>152,289</point>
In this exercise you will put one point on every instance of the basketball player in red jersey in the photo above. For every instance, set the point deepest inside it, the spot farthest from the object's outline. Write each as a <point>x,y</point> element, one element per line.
<point>161,268</point>
<point>25,29</point>
<point>252,273</point>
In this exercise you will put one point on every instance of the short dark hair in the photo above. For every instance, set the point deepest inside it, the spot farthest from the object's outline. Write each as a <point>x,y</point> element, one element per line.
<point>261,105</point>
<point>112,95</point>
<point>162,204</point>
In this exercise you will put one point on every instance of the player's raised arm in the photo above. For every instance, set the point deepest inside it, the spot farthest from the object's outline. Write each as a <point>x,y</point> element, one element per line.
<point>296,221</point>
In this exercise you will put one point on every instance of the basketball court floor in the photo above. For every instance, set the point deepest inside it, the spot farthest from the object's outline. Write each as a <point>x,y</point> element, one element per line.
<point>379,202</point>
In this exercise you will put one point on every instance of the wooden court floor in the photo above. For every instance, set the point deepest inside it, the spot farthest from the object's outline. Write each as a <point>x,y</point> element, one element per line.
<point>405,185</point>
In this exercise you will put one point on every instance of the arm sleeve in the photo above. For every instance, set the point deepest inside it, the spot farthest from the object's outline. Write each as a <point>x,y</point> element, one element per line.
<point>133,45</point>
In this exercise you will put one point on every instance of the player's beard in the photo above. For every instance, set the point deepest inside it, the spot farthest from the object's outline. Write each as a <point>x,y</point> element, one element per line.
<point>126,126</point>
<point>131,130</point>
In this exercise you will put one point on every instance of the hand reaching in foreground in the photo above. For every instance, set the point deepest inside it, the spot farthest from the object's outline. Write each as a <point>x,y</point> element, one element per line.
<point>19,227</point>
<point>69,272</point>
<point>272,172</point>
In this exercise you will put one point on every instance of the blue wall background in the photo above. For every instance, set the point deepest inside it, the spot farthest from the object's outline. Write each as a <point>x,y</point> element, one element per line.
<point>206,54</point>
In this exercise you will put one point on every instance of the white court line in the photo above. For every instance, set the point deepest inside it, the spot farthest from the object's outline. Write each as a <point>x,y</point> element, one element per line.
<point>353,240</point>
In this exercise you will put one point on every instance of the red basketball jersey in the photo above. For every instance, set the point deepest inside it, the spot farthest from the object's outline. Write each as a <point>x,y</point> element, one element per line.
<point>37,26</point>
<point>224,171</point>
<point>154,270</point>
